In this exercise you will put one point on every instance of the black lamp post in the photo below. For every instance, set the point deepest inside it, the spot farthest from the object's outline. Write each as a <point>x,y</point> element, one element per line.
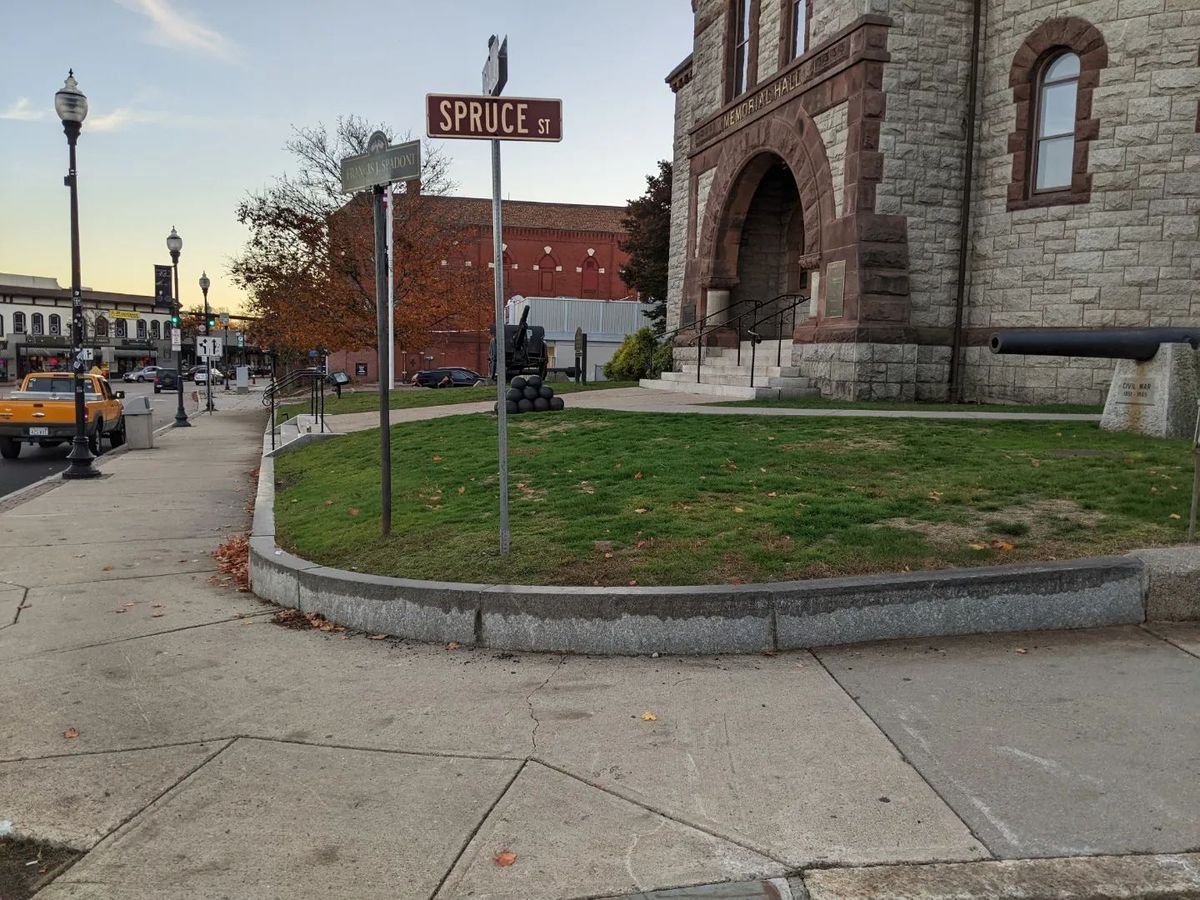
<point>174,245</point>
<point>204,285</point>
<point>71,106</point>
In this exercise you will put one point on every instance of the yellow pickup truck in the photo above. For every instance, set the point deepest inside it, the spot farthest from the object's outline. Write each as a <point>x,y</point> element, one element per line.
<point>43,412</point>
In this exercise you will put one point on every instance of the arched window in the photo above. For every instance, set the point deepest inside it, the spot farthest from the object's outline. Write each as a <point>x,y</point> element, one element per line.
<point>122,329</point>
<point>101,327</point>
<point>141,329</point>
<point>18,323</point>
<point>590,280</point>
<point>37,324</point>
<point>546,267</point>
<point>154,333</point>
<point>1054,136</point>
<point>55,324</point>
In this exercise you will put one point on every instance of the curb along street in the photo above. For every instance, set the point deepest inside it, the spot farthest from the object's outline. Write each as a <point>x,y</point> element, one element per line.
<point>705,619</point>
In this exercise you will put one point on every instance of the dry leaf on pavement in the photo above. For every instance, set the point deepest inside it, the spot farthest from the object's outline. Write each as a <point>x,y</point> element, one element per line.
<point>453,645</point>
<point>1021,650</point>
<point>505,858</point>
<point>376,637</point>
<point>71,733</point>
<point>649,717</point>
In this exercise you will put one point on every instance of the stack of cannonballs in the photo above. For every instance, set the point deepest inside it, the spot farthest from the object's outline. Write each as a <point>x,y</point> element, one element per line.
<point>529,393</point>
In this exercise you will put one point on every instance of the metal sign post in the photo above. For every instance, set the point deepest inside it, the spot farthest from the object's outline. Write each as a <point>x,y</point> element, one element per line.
<point>391,291</point>
<point>377,169</point>
<point>490,118</point>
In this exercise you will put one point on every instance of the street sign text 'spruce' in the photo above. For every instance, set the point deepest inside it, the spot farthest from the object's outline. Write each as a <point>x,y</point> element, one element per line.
<point>493,118</point>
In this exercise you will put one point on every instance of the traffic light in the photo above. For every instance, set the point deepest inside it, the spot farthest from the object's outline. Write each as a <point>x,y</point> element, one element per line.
<point>212,323</point>
<point>175,321</point>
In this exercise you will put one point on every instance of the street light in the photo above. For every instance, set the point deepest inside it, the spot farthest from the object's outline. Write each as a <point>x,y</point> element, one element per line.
<point>71,106</point>
<point>174,245</point>
<point>204,284</point>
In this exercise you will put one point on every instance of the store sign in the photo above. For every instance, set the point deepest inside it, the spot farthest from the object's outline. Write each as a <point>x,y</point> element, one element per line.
<point>125,314</point>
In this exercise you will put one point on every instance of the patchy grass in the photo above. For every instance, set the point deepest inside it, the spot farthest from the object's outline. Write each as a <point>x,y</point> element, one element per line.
<point>366,400</point>
<point>822,403</point>
<point>601,497</point>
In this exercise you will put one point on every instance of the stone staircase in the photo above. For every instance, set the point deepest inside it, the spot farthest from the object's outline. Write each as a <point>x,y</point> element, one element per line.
<point>294,433</point>
<point>723,377</point>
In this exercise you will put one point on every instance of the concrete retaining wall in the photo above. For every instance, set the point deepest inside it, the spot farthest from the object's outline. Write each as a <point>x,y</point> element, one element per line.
<point>706,619</point>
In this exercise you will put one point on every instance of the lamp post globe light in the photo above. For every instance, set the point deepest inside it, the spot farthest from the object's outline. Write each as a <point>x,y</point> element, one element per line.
<point>174,245</point>
<point>71,106</point>
<point>204,285</point>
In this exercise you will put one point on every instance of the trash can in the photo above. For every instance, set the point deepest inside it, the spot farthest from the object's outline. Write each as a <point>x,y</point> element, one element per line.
<point>139,424</point>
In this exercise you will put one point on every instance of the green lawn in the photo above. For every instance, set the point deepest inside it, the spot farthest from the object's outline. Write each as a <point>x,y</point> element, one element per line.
<point>685,499</point>
<point>822,403</point>
<point>365,400</point>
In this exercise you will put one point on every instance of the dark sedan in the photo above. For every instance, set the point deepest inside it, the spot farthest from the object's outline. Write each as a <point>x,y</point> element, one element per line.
<point>447,377</point>
<point>166,380</point>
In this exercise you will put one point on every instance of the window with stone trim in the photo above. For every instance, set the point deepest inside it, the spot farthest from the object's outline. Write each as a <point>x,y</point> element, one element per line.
<point>18,323</point>
<point>141,329</point>
<point>154,332</point>
<point>796,29</point>
<point>101,327</point>
<point>37,324</point>
<point>741,45</point>
<point>590,277</point>
<point>56,325</point>
<point>122,328</point>
<point>546,267</point>
<point>1052,78</point>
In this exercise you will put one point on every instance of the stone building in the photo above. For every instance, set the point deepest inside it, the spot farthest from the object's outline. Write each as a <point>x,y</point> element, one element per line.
<point>904,177</point>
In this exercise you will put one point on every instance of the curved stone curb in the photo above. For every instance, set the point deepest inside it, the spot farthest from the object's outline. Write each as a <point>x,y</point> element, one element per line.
<point>705,619</point>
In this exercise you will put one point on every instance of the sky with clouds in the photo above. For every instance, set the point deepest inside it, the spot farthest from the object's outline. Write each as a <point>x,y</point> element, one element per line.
<point>191,101</point>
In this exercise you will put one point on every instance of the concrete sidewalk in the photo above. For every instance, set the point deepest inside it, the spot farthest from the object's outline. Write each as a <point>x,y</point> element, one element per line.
<point>646,400</point>
<point>219,755</point>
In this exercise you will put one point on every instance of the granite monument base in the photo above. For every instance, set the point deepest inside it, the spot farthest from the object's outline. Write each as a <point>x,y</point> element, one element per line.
<point>1157,397</point>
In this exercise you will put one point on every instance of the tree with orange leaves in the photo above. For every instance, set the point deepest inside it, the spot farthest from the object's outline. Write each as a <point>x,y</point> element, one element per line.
<point>309,264</point>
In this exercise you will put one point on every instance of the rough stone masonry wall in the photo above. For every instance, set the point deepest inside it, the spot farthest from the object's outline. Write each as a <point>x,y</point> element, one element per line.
<point>770,20</point>
<point>834,130</point>
<point>1129,256</point>
<point>700,98</point>
<point>923,140</point>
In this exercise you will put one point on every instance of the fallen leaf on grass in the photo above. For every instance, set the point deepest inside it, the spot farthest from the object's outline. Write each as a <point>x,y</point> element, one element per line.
<point>935,496</point>
<point>1036,463</point>
<point>1175,515</point>
<point>738,509</point>
<point>505,858</point>
<point>462,490</point>
<point>520,485</point>
<point>641,509</point>
<point>437,458</point>
<point>352,512</point>
<point>71,733</point>
<point>329,503</point>
<point>633,583</point>
<point>649,717</point>
<point>637,475</point>
<point>608,555</point>
<point>773,494</point>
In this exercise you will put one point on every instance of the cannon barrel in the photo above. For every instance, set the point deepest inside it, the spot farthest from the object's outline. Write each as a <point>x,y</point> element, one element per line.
<point>522,330</point>
<point>1099,343</point>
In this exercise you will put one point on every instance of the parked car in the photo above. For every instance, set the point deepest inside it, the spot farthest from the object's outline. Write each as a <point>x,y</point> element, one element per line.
<point>166,380</point>
<point>146,373</point>
<point>446,377</point>
<point>200,376</point>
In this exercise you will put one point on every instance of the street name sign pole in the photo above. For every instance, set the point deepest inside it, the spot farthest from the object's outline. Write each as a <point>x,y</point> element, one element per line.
<point>374,170</point>
<point>490,117</point>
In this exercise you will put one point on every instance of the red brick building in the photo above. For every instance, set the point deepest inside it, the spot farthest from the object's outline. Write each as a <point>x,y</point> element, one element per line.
<point>550,250</point>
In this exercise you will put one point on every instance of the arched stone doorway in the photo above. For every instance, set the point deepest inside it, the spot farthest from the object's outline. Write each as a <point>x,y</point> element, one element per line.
<point>760,234</point>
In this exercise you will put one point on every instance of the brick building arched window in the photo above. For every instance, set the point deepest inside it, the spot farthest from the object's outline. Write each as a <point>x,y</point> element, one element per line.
<point>37,324</point>
<point>590,277</point>
<point>101,327</point>
<point>1052,79</point>
<point>154,332</point>
<point>18,323</point>
<point>546,267</point>
<point>141,329</point>
<point>55,324</point>
<point>122,328</point>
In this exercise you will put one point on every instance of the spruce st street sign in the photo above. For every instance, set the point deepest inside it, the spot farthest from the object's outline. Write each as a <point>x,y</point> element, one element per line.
<point>475,117</point>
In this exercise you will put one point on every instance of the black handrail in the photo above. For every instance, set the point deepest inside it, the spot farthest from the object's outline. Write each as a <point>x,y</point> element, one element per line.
<point>316,395</point>
<point>741,332</point>
<point>755,338</point>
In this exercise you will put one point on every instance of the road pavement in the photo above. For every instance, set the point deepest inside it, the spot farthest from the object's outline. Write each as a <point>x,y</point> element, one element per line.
<point>161,722</point>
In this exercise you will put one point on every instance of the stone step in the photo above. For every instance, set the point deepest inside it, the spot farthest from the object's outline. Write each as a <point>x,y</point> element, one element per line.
<point>737,380</point>
<point>716,391</point>
<point>728,367</point>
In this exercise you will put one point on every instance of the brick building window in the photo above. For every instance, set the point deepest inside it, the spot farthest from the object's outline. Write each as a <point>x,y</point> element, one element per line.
<point>797,28</point>
<point>18,323</point>
<point>546,269</point>
<point>1052,79</point>
<point>739,57</point>
<point>590,279</point>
